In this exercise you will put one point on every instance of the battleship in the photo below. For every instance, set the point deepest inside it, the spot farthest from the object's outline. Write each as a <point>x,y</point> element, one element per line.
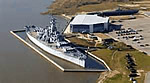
<point>53,42</point>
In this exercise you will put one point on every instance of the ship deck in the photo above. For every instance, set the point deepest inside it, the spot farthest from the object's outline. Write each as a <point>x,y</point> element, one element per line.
<point>53,46</point>
<point>48,44</point>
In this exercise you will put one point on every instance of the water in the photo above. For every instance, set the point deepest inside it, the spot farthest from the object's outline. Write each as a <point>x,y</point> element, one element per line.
<point>19,63</point>
<point>91,63</point>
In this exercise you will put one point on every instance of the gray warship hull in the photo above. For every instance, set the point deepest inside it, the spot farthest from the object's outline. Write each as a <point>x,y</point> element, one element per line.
<point>55,52</point>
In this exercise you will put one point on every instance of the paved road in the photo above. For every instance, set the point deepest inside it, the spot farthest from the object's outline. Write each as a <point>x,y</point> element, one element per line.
<point>147,78</point>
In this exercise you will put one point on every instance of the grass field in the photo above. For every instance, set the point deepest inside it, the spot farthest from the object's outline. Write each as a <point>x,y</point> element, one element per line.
<point>116,61</point>
<point>119,63</point>
<point>81,42</point>
<point>71,7</point>
<point>98,7</point>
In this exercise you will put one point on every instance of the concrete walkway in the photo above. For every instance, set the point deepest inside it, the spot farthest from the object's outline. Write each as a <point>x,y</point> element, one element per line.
<point>147,78</point>
<point>67,31</point>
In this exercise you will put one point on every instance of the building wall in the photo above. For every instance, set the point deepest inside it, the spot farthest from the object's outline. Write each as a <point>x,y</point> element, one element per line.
<point>106,26</point>
<point>89,28</point>
<point>98,27</point>
<point>80,28</point>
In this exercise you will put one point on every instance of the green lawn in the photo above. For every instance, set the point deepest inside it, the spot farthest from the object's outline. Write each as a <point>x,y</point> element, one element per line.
<point>118,63</point>
<point>116,60</point>
<point>81,42</point>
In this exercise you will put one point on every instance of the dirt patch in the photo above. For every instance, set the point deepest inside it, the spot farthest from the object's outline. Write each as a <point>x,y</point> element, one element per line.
<point>106,75</point>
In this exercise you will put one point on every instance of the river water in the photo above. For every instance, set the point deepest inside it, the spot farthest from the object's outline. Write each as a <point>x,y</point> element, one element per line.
<point>19,63</point>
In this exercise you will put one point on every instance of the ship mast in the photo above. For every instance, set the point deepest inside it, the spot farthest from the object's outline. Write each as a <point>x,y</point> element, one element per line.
<point>53,24</point>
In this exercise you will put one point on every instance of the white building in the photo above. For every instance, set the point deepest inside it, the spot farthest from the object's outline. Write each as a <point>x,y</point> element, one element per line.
<point>89,23</point>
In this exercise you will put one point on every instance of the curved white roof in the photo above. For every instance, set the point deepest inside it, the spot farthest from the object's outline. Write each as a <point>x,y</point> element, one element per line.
<point>89,19</point>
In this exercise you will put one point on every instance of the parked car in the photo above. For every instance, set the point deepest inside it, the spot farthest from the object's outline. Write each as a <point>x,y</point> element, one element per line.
<point>147,45</point>
<point>142,46</point>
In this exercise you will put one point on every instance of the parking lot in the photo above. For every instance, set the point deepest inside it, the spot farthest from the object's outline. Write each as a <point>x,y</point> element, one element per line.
<point>135,32</point>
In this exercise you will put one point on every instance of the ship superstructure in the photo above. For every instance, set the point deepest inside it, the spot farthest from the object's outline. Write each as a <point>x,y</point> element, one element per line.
<point>51,41</point>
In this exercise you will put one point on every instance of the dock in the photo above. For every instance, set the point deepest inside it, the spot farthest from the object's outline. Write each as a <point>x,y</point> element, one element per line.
<point>63,65</point>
